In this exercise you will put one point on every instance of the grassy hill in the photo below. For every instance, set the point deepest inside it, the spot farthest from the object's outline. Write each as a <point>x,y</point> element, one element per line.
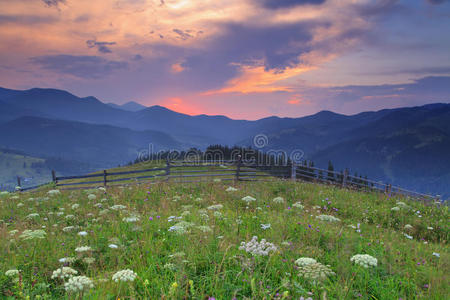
<point>182,241</point>
<point>14,163</point>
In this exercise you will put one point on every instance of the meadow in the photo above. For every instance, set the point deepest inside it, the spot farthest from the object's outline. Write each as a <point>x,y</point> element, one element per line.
<point>235,240</point>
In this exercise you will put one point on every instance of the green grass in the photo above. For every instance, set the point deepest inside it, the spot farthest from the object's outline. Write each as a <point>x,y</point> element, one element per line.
<point>198,265</point>
<point>13,165</point>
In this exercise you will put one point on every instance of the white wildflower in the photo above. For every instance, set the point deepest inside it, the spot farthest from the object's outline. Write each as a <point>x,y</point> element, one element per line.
<point>231,189</point>
<point>278,200</point>
<point>408,236</point>
<point>82,233</point>
<point>132,219</point>
<point>113,246</point>
<point>33,234</point>
<point>64,272</point>
<point>124,276</point>
<point>118,207</point>
<point>75,206</point>
<point>53,192</point>
<point>78,284</point>
<point>92,197</point>
<point>316,272</point>
<point>328,218</point>
<point>395,208</point>
<point>408,227</point>
<point>265,226</point>
<point>364,260</point>
<point>298,205</point>
<point>12,273</point>
<point>248,199</point>
<point>262,248</point>
<point>303,261</point>
<point>215,207</point>
<point>430,228</point>
<point>32,216</point>
<point>436,254</point>
<point>83,249</point>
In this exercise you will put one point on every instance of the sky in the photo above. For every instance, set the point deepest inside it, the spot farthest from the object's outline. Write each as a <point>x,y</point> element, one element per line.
<point>246,59</point>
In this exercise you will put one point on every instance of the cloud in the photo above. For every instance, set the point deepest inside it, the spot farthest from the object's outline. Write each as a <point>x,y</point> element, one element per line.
<point>436,2</point>
<point>276,4</point>
<point>87,67</point>
<point>184,35</point>
<point>26,20</point>
<point>53,2</point>
<point>102,47</point>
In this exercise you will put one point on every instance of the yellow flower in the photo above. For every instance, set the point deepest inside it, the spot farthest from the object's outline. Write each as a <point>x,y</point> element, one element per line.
<point>174,285</point>
<point>146,282</point>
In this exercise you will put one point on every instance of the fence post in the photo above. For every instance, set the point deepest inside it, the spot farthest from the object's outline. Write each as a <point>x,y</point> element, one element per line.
<point>293,171</point>
<point>238,167</point>
<point>344,180</point>
<point>19,183</point>
<point>54,177</point>
<point>104,178</point>
<point>390,189</point>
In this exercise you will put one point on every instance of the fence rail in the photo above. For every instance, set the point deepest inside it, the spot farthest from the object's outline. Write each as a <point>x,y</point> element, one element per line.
<point>237,170</point>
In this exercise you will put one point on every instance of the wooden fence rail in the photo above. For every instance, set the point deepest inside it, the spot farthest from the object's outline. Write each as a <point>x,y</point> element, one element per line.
<point>237,170</point>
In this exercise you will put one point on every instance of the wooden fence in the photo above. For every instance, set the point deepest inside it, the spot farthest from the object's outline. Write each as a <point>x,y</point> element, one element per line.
<point>232,170</point>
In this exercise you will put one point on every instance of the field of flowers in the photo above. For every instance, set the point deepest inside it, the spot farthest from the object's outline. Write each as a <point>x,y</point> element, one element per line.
<point>250,240</point>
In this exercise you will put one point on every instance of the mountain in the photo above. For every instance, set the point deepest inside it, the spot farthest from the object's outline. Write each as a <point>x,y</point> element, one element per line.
<point>99,145</point>
<point>129,106</point>
<point>381,144</point>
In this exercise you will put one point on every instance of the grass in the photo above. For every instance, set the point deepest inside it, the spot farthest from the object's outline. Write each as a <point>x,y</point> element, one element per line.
<point>206,262</point>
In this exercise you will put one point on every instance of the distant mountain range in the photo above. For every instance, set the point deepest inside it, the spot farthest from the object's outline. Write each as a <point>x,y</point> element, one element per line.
<point>405,146</point>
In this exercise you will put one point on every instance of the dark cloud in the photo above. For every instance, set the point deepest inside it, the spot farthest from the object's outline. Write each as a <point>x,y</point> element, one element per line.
<point>53,2</point>
<point>26,19</point>
<point>82,18</point>
<point>436,2</point>
<point>137,57</point>
<point>275,4</point>
<point>101,46</point>
<point>184,35</point>
<point>88,67</point>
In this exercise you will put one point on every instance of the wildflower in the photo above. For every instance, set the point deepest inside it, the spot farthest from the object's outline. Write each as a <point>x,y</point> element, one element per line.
<point>169,266</point>
<point>92,197</point>
<point>53,192</point>
<point>316,272</point>
<point>262,248</point>
<point>185,213</point>
<point>75,206</point>
<point>69,217</point>
<point>102,189</point>
<point>131,219</point>
<point>33,234</point>
<point>83,249</point>
<point>12,273</point>
<point>204,229</point>
<point>265,226</point>
<point>32,216</point>
<point>436,254</point>
<point>402,205</point>
<point>89,260</point>
<point>177,229</point>
<point>364,260</point>
<point>218,214</point>
<point>328,218</point>
<point>407,227</point>
<point>430,228</point>
<point>78,284</point>
<point>304,261</point>
<point>278,200</point>
<point>113,246</point>
<point>298,205</point>
<point>69,260</point>
<point>64,272</point>
<point>118,207</point>
<point>68,228</point>
<point>82,233</point>
<point>395,208</point>
<point>231,189</point>
<point>215,207</point>
<point>20,204</point>
<point>408,236</point>
<point>124,276</point>
<point>248,199</point>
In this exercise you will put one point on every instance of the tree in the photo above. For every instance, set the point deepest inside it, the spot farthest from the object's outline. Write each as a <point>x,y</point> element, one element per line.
<point>330,171</point>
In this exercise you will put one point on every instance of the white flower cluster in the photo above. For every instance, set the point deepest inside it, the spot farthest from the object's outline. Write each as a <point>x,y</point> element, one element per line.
<point>231,189</point>
<point>118,207</point>
<point>75,206</point>
<point>248,199</point>
<point>328,218</point>
<point>265,226</point>
<point>402,205</point>
<point>131,219</point>
<point>92,197</point>
<point>254,247</point>
<point>316,272</point>
<point>12,273</point>
<point>298,205</point>
<point>278,200</point>
<point>124,276</point>
<point>32,216</point>
<point>395,208</point>
<point>215,207</point>
<point>78,284</point>
<point>204,228</point>
<point>53,192</point>
<point>33,234</point>
<point>407,227</point>
<point>64,272</point>
<point>364,260</point>
<point>304,261</point>
<point>83,249</point>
